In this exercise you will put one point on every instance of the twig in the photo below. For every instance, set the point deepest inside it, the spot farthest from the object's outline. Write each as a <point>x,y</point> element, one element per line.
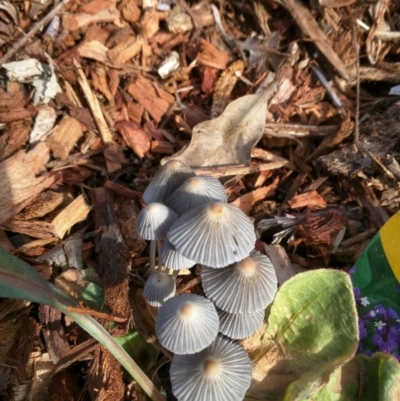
<point>357,115</point>
<point>222,171</point>
<point>335,99</point>
<point>94,105</point>
<point>97,314</point>
<point>37,27</point>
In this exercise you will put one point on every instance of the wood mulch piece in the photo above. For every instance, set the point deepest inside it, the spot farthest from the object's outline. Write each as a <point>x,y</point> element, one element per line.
<point>119,87</point>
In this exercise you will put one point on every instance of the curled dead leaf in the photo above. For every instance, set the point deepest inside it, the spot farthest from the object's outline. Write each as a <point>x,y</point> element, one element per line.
<point>229,138</point>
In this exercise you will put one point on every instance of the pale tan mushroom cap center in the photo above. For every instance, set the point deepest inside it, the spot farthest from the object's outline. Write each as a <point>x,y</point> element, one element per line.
<point>187,310</point>
<point>194,182</point>
<point>211,367</point>
<point>174,164</point>
<point>153,208</point>
<point>216,210</point>
<point>247,267</point>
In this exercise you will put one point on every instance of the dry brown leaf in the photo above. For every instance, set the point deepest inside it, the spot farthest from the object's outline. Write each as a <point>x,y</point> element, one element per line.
<point>229,138</point>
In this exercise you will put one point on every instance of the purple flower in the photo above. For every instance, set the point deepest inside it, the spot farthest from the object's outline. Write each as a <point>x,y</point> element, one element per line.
<point>362,327</point>
<point>352,270</point>
<point>380,310</point>
<point>391,314</point>
<point>394,332</point>
<point>378,341</point>
<point>357,293</point>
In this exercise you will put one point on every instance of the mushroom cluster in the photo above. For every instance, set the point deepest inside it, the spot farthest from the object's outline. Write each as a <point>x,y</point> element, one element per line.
<point>188,221</point>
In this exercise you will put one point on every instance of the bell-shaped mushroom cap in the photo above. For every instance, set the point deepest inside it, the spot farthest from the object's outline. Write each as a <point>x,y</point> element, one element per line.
<point>187,324</point>
<point>154,221</point>
<point>169,178</point>
<point>196,191</point>
<point>172,259</point>
<point>220,372</point>
<point>247,286</point>
<point>239,325</point>
<point>214,234</point>
<point>159,287</point>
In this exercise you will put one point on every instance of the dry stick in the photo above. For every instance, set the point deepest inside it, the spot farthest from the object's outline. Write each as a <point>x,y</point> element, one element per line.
<point>37,27</point>
<point>357,116</point>
<point>97,314</point>
<point>222,171</point>
<point>94,105</point>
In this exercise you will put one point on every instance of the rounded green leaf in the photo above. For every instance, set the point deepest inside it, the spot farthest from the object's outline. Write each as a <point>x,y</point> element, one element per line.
<point>375,378</point>
<point>312,330</point>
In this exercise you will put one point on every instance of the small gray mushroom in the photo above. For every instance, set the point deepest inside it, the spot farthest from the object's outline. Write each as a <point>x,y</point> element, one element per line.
<point>159,287</point>
<point>153,223</point>
<point>196,191</point>
<point>239,325</point>
<point>172,259</point>
<point>186,324</point>
<point>214,234</point>
<point>247,286</point>
<point>220,372</point>
<point>169,178</point>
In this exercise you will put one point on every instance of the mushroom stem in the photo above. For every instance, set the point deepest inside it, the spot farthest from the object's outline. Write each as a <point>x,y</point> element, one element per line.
<point>159,245</point>
<point>152,260</point>
<point>174,274</point>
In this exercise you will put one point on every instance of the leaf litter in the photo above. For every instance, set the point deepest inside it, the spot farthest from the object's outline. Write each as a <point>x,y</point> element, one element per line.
<point>86,118</point>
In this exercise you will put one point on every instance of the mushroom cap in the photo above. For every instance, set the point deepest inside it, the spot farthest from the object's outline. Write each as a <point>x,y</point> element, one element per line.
<point>220,372</point>
<point>239,325</point>
<point>172,259</point>
<point>159,287</point>
<point>214,234</point>
<point>154,221</point>
<point>196,191</point>
<point>247,286</point>
<point>169,178</point>
<point>187,324</point>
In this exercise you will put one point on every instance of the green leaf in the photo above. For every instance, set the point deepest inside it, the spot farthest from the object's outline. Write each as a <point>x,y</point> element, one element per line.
<point>312,330</point>
<point>143,353</point>
<point>18,280</point>
<point>375,378</point>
